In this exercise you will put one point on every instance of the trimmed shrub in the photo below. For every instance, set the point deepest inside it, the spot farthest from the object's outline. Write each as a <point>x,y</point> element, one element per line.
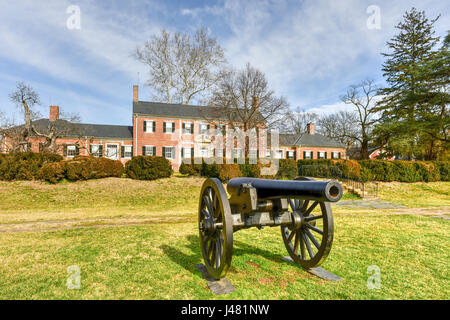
<point>228,172</point>
<point>82,168</point>
<point>444,170</point>
<point>287,169</point>
<point>191,169</point>
<point>250,170</point>
<point>54,172</point>
<point>148,168</point>
<point>25,165</point>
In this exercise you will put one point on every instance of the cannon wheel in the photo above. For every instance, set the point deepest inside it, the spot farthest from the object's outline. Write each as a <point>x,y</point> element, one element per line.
<point>216,228</point>
<point>309,240</point>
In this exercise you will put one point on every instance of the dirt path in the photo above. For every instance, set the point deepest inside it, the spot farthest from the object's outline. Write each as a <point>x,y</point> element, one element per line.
<point>53,225</point>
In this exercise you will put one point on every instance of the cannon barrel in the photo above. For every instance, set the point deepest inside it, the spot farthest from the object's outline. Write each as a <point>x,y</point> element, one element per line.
<point>274,189</point>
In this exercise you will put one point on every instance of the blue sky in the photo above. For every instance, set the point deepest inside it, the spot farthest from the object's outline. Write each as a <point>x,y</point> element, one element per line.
<point>310,50</point>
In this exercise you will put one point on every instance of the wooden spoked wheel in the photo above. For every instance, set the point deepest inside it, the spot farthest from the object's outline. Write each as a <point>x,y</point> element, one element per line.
<point>216,228</point>
<point>308,240</point>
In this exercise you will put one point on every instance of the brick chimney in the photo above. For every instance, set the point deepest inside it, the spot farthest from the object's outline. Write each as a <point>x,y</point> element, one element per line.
<point>135,93</point>
<point>310,127</point>
<point>255,103</point>
<point>54,113</point>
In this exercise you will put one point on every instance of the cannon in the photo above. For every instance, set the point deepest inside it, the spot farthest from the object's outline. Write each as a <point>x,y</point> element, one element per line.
<point>301,207</point>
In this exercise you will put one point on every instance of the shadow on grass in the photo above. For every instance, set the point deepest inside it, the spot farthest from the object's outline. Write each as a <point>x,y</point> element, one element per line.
<point>188,261</point>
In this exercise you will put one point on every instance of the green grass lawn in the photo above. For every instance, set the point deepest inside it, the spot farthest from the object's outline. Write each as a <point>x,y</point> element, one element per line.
<point>417,194</point>
<point>156,260</point>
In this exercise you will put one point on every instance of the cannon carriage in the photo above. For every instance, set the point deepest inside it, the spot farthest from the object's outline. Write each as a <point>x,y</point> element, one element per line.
<point>301,208</point>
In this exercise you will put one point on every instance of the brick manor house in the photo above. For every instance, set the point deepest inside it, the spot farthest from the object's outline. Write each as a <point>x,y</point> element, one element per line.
<point>174,131</point>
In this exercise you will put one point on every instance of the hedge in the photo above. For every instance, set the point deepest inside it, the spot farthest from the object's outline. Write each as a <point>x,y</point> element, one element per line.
<point>223,171</point>
<point>81,168</point>
<point>25,165</point>
<point>148,168</point>
<point>376,170</point>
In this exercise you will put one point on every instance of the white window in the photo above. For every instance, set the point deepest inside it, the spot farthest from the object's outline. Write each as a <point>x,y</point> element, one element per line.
<point>169,127</point>
<point>169,152</point>
<point>307,154</point>
<point>268,153</point>
<point>290,154</point>
<point>253,153</point>
<point>112,151</point>
<point>127,151</point>
<point>188,128</point>
<point>204,128</point>
<point>149,151</point>
<point>149,126</point>
<point>336,155</point>
<point>279,154</point>
<point>96,150</point>
<point>204,152</point>
<point>218,152</point>
<point>237,153</point>
<point>71,151</point>
<point>220,129</point>
<point>187,152</point>
<point>321,155</point>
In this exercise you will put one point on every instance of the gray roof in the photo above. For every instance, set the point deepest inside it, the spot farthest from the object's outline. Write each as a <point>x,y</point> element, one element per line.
<point>87,129</point>
<point>160,109</point>
<point>309,140</point>
<point>175,110</point>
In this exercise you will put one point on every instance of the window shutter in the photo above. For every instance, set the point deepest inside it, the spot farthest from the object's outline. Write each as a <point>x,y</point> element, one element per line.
<point>65,151</point>
<point>192,153</point>
<point>145,126</point>
<point>173,127</point>
<point>208,127</point>
<point>192,128</point>
<point>122,152</point>
<point>304,155</point>
<point>143,150</point>
<point>326,154</point>
<point>77,150</point>
<point>164,151</point>
<point>295,155</point>
<point>164,127</point>
<point>339,155</point>
<point>90,149</point>
<point>100,150</point>
<point>182,152</point>
<point>184,126</point>
<point>132,152</point>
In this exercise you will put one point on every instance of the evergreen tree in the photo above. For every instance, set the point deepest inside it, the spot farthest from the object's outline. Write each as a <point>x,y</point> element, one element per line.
<point>406,101</point>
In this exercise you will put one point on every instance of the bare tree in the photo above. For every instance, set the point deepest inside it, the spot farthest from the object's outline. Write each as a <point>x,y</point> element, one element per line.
<point>339,126</point>
<point>361,96</point>
<point>26,98</point>
<point>181,67</point>
<point>244,98</point>
<point>296,122</point>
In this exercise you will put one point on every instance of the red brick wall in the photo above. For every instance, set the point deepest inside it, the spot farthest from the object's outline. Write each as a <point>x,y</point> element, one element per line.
<point>84,145</point>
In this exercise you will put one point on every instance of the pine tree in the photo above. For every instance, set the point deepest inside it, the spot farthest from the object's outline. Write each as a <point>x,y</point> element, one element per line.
<point>402,106</point>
